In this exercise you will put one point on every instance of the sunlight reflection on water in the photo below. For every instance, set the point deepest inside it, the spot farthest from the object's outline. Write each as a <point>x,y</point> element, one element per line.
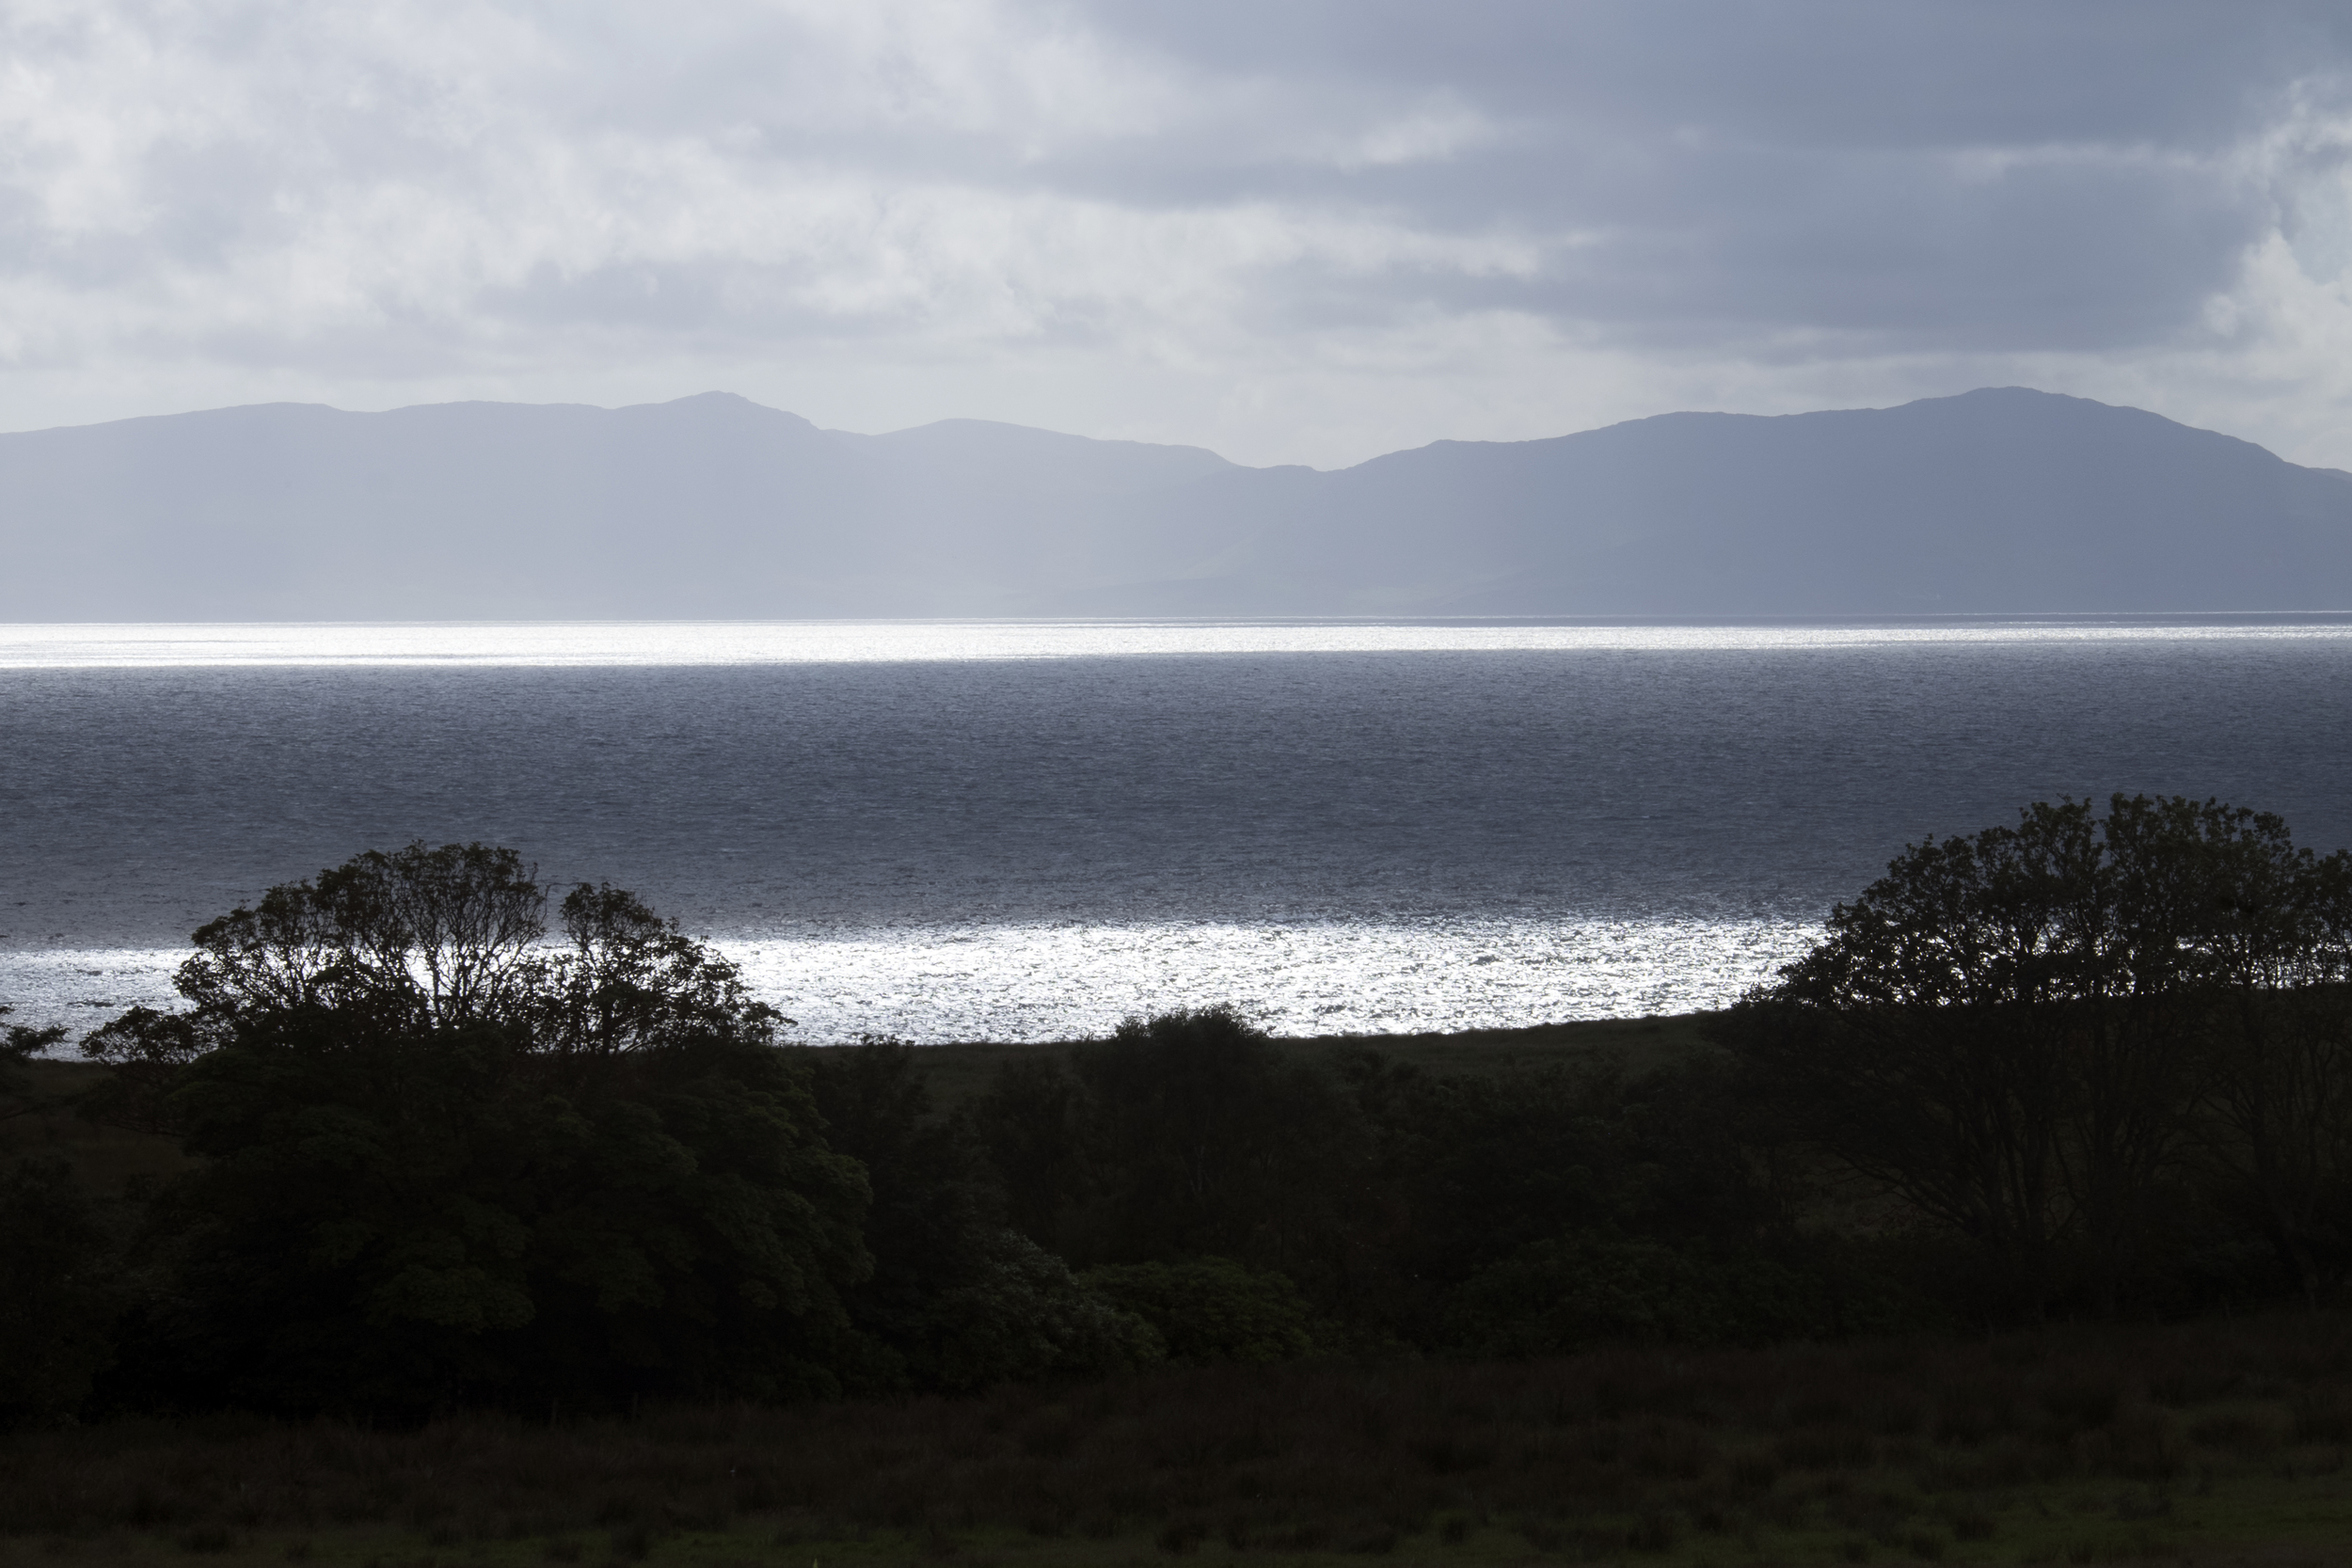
<point>627,643</point>
<point>978,850</point>
<point>1024,983</point>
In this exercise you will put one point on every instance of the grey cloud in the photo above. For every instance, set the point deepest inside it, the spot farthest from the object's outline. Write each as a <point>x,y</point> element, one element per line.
<point>1878,73</point>
<point>1980,177</point>
<point>433,188</point>
<point>1977,177</point>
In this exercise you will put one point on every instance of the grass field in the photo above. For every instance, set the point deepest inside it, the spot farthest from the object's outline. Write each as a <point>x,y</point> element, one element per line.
<point>2205,1443</point>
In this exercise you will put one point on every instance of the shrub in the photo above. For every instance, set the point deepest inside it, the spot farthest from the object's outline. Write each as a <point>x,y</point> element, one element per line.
<point>1558,1296</point>
<point>1211,1309</point>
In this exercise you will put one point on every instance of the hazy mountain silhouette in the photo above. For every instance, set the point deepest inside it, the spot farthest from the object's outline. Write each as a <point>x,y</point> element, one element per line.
<point>1998,500</point>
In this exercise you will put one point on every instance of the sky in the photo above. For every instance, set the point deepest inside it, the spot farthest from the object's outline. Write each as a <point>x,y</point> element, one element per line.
<point>1291,231</point>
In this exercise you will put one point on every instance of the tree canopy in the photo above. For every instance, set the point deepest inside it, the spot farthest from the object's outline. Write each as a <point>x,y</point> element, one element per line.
<point>2032,1034</point>
<point>444,1159</point>
<point>422,938</point>
<point>443,1146</point>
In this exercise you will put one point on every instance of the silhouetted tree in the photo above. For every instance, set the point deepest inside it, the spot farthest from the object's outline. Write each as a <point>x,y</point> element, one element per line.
<point>1204,1139</point>
<point>1030,1124</point>
<point>2279,939</point>
<point>415,938</point>
<point>442,1163</point>
<point>629,980</point>
<point>19,1044</point>
<point>2020,1032</point>
<point>1477,1174</point>
<point>957,1299</point>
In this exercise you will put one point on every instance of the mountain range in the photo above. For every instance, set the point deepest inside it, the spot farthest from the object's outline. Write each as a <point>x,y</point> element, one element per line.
<point>2002,501</point>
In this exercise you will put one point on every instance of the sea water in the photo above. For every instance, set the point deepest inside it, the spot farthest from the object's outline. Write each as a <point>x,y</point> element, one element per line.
<point>1028,831</point>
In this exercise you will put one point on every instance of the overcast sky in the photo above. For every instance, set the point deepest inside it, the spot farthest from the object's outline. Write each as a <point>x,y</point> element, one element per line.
<point>1303,231</point>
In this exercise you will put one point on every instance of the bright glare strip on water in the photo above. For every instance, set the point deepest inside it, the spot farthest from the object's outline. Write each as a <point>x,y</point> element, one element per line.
<point>1018,983</point>
<point>937,984</point>
<point>616,643</point>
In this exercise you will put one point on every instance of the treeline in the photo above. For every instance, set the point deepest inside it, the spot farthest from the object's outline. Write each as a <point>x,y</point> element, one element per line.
<point>2089,1065</point>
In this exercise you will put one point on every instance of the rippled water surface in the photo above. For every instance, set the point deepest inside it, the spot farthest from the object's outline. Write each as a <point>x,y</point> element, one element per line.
<point>1024,830</point>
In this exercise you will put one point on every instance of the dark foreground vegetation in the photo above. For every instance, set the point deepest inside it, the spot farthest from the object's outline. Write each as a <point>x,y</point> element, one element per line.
<point>398,1159</point>
<point>2209,1443</point>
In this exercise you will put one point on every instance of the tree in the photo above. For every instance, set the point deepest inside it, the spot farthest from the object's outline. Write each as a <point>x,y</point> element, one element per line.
<point>957,1299</point>
<point>423,939</point>
<point>631,980</point>
<point>2019,1032</point>
<point>1203,1140</point>
<point>1030,1124</point>
<point>444,1162</point>
<point>2281,1145</point>
<point>19,1044</point>
<point>417,939</point>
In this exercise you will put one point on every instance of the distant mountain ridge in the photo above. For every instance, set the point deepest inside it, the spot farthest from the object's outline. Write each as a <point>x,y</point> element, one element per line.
<point>2002,501</point>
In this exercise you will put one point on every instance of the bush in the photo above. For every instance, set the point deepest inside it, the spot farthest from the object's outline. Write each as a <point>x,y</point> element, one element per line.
<point>1025,1318</point>
<point>1211,1309</point>
<point>1557,1297</point>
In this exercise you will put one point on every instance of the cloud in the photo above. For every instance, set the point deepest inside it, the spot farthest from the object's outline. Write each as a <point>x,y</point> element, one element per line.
<point>1307,230</point>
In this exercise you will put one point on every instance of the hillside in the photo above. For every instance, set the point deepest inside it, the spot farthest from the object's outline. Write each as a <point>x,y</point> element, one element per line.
<point>1998,500</point>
